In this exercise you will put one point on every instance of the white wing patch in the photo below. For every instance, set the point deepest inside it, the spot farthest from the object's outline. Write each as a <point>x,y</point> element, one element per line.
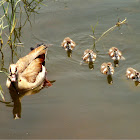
<point>104,70</point>
<point>112,54</point>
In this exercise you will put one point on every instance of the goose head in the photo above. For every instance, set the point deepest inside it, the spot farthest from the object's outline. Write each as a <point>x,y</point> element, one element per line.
<point>13,72</point>
<point>110,69</point>
<point>91,57</point>
<point>116,55</point>
<point>68,46</point>
<point>137,77</point>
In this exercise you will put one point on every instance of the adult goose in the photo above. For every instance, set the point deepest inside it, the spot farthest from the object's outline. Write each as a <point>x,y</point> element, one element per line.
<point>29,72</point>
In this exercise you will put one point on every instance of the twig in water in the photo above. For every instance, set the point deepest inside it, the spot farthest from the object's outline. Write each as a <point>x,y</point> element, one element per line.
<point>118,24</point>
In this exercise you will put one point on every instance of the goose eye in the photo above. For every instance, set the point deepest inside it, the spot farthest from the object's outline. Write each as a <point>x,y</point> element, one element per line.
<point>16,70</point>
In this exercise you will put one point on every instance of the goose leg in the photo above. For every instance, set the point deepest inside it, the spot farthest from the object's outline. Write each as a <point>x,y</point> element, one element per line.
<point>47,83</point>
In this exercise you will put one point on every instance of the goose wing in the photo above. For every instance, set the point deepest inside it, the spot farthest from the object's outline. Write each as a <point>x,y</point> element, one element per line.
<point>23,62</point>
<point>33,69</point>
<point>104,69</point>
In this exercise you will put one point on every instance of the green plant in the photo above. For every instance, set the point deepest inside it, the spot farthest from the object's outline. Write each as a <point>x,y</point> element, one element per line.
<point>118,24</point>
<point>12,14</point>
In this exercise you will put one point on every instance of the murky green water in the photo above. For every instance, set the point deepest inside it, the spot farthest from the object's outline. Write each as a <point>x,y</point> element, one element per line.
<point>80,104</point>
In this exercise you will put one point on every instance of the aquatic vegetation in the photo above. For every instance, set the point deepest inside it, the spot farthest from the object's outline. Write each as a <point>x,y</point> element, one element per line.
<point>13,13</point>
<point>95,40</point>
<point>1,90</point>
<point>12,19</point>
<point>1,93</point>
<point>118,24</point>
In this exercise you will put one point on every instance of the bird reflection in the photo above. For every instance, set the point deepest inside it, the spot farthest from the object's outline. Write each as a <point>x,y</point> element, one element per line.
<point>116,63</point>
<point>17,96</point>
<point>69,53</point>
<point>91,65</point>
<point>109,79</point>
<point>137,83</point>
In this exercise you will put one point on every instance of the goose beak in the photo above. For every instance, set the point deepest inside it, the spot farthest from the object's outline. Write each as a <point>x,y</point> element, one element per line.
<point>69,47</point>
<point>90,58</point>
<point>13,78</point>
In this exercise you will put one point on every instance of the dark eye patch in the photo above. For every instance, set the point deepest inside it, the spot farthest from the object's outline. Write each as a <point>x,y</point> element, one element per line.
<point>16,70</point>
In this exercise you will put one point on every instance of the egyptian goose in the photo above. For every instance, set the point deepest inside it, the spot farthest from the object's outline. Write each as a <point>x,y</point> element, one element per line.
<point>68,44</point>
<point>29,71</point>
<point>107,68</point>
<point>89,56</point>
<point>133,74</point>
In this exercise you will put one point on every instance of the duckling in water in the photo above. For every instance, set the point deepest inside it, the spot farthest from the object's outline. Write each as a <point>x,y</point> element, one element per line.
<point>89,57</point>
<point>68,44</point>
<point>133,74</point>
<point>116,55</point>
<point>108,69</point>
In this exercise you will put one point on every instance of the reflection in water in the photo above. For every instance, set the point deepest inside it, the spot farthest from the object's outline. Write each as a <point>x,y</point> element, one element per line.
<point>116,63</point>
<point>91,65</point>
<point>2,60</point>
<point>137,83</point>
<point>17,96</point>
<point>69,53</point>
<point>109,79</point>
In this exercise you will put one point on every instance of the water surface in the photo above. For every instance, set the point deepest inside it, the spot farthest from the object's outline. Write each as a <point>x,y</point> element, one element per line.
<point>80,104</point>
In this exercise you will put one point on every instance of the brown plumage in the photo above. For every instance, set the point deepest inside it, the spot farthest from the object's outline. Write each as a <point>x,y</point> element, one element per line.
<point>68,44</point>
<point>28,72</point>
<point>115,54</point>
<point>133,74</point>
<point>89,56</point>
<point>33,69</point>
<point>107,68</point>
<point>23,62</point>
